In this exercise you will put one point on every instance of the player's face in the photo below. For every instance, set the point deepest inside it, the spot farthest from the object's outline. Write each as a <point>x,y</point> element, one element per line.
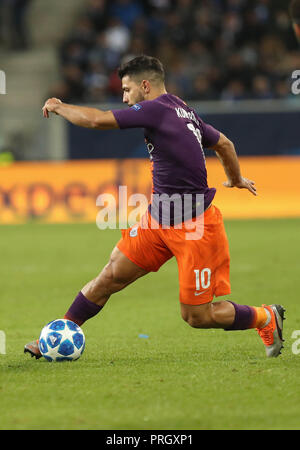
<point>133,91</point>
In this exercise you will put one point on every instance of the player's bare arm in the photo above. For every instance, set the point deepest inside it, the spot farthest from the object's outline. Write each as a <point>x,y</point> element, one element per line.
<point>225,151</point>
<point>80,115</point>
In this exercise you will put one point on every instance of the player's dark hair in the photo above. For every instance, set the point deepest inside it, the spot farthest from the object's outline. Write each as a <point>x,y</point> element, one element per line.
<point>142,65</point>
<point>294,9</point>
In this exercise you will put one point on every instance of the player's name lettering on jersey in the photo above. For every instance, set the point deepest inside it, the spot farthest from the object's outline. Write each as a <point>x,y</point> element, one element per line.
<point>183,114</point>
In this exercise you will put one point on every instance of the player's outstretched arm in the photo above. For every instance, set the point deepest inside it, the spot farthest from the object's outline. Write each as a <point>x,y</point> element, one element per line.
<point>81,115</point>
<point>226,153</point>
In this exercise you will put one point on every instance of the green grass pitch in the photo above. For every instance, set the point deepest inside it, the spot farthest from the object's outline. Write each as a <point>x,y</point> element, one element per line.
<point>178,378</point>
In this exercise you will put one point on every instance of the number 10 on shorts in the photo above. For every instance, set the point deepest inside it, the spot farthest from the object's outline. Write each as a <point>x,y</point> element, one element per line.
<point>202,278</point>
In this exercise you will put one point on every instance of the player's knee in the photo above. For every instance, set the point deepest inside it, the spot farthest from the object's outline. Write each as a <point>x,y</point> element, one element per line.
<point>197,321</point>
<point>199,317</point>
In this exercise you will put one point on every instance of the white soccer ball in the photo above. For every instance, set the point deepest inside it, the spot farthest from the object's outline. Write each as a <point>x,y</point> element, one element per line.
<point>61,340</point>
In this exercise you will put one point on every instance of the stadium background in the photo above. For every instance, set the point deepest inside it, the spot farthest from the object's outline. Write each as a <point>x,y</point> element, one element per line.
<point>232,60</point>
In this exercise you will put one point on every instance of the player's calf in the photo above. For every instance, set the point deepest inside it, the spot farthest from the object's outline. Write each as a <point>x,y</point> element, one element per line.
<point>209,315</point>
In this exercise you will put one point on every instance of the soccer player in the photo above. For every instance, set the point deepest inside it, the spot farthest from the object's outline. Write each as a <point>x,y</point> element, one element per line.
<point>175,137</point>
<point>295,16</point>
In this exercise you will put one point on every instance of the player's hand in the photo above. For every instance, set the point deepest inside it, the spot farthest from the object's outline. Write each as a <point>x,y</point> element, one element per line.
<point>50,106</point>
<point>243,183</point>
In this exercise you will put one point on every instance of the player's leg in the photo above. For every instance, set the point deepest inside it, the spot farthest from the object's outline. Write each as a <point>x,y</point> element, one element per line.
<point>267,319</point>
<point>203,266</point>
<point>115,276</point>
<point>139,252</point>
<point>224,314</point>
<point>209,315</point>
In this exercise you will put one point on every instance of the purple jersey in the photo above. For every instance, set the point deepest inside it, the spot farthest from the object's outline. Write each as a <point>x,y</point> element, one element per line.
<point>175,137</point>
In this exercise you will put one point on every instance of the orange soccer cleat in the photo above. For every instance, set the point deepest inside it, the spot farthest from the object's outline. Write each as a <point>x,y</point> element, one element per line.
<point>33,349</point>
<point>271,332</point>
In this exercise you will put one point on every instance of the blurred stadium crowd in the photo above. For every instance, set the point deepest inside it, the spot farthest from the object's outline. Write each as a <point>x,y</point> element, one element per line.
<point>13,28</point>
<point>212,49</point>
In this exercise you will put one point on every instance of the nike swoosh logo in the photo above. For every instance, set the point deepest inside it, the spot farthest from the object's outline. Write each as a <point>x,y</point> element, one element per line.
<point>199,293</point>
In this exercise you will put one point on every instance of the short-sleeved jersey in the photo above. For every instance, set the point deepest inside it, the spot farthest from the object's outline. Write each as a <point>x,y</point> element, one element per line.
<point>175,137</point>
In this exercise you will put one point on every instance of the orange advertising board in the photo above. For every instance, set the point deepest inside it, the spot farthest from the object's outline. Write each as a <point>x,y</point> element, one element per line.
<point>62,192</point>
<point>278,187</point>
